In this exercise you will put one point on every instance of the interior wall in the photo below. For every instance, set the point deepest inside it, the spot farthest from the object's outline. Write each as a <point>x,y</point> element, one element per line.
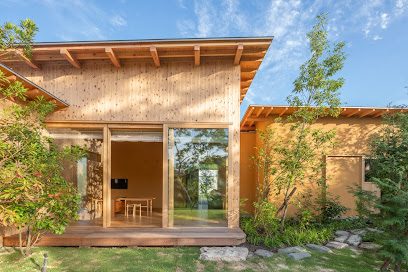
<point>142,164</point>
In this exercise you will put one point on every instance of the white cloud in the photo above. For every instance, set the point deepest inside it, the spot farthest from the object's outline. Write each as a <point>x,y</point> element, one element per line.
<point>376,37</point>
<point>385,20</point>
<point>118,21</point>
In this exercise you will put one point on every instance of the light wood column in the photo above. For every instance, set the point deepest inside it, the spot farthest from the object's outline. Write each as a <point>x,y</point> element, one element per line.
<point>165,205</point>
<point>171,178</point>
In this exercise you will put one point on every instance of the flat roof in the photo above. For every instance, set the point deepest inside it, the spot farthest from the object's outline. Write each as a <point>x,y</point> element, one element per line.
<point>257,113</point>
<point>33,90</point>
<point>247,52</point>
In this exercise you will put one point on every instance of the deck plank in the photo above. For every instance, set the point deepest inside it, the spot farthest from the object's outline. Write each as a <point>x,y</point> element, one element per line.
<point>98,236</point>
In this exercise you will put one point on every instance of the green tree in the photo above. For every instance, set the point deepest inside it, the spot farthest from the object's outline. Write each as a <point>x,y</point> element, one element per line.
<point>287,162</point>
<point>33,193</point>
<point>389,171</point>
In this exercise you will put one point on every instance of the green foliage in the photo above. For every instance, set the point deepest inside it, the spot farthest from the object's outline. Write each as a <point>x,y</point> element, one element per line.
<point>18,37</point>
<point>325,206</point>
<point>284,163</point>
<point>364,200</point>
<point>389,169</point>
<point>33,194</point>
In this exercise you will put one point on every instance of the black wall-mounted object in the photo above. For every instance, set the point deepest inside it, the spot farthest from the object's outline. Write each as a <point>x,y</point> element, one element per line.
<point>119,183</point>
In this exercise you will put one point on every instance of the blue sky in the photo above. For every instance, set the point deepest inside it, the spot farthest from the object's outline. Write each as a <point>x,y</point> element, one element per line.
<point>375,31</point>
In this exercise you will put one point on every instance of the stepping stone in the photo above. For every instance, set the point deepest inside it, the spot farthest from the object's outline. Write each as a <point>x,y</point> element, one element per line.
<point>359,232</point>
<point>336,245</point>
<point>299,255</point>
<point>342,233</point>
<point>341,239</point>
<point>354,240</point>
<point>251,255</point>
<point>370,246</point>
<point>374,230</point>
<point>289,250</point>
<point>229,254</point>
<point>319,248</point>
<point>263,253</point>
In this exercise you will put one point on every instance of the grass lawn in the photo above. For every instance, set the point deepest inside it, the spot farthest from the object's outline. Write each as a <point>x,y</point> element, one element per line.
<point>195,214</point>
<point>177,259</point>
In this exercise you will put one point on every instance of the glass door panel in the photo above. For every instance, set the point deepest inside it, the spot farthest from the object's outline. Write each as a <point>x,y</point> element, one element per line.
<point>198,163</point>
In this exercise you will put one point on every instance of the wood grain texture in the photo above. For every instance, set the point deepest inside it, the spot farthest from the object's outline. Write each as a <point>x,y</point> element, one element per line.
<point>175,92</point>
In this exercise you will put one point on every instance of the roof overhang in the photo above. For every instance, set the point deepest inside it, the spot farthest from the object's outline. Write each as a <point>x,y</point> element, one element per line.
<point>33,90</point>
<point>247,52</point>
<point>256,113</point>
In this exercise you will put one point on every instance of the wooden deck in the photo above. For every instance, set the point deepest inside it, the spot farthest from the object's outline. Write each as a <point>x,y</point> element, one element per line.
<point>98,236</point>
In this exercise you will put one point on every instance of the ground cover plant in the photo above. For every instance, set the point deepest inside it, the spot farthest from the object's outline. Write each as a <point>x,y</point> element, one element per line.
<point>177,259</point>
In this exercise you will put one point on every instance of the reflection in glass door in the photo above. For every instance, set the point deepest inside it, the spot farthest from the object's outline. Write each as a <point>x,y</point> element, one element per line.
<point>198,163</point>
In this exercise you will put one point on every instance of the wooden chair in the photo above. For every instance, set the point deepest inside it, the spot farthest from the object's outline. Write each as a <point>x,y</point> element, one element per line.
<point>133,207</point>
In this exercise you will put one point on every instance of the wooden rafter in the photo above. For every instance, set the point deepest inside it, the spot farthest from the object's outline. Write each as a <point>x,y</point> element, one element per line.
<point>155,56</point>
<point>112,56</point>
<point>282,112</point>
<point>259,112</point>
<point>64,52</point>
<point>247,114</point>
<point>196,55</point>
<point>352,113</point>
<point>238,54</point>
<point>366,112</point>
<point>31,62</point>
<point>11,78</point>
<point>380,113</point>
<point>268,111</point>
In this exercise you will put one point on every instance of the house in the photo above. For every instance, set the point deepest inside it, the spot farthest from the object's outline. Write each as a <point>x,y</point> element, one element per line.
<point>346,165</point>
<point>161,122</point>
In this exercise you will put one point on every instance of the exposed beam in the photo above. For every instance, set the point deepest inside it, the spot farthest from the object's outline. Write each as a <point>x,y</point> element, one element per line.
<point>268,111</point>
<point>259,112</point>
<point>33,91</point>
<point>196,55</point>
<point>65,53</point>
<point>352,113</point>
<point>31,62</point>
<point>380,113</point>
<point>238,54</point>
<point>112,57</point>
<point>247,128</point>
<point>12,78</point>
<point>155,56</point>
<point>282,111</point>
<point>365,113</point>
<point>247,114</point>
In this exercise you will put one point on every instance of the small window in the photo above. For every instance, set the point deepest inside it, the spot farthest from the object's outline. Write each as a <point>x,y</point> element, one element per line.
<point>367,170</point>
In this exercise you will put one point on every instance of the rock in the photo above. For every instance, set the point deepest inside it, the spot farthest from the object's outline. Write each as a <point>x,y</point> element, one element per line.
<point>319,248</point>
<point>229,254</point>
<point>263,253</point>
<point>354,240</point>
<point>84,214</point>
<point>251,255</point>
<point>289,250</point>
<point>336,245</point>
<point>374,230</point>
<point>359,232</point>
<point>341,239</point>
<point>342,233</point>
<point>370,246</point>
<point>299,255</point>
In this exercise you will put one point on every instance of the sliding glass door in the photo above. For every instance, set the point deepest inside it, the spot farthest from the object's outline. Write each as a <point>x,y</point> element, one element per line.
<point>197,177</point>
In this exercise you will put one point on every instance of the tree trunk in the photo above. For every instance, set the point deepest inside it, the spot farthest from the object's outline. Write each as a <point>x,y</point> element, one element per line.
<point>385,264</point>
<point>397,267</point>
<point>28,242</point>
<point>20,234</point>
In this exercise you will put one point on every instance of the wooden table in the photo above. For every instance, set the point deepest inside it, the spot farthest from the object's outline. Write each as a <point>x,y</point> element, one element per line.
<point>149,203</point>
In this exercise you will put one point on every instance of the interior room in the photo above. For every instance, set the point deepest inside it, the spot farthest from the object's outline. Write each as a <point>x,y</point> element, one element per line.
<point>136,178</point>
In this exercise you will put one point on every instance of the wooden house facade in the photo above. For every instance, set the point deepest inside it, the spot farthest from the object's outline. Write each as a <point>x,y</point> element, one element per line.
<point>144,109</point>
